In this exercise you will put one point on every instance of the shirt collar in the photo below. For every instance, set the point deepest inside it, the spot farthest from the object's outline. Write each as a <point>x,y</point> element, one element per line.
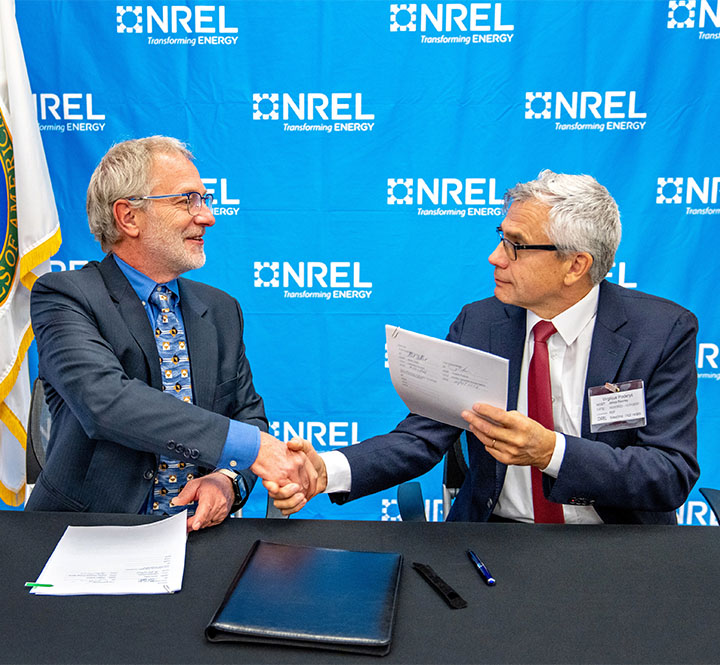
<point>573,320</point>
<point>141,283</point>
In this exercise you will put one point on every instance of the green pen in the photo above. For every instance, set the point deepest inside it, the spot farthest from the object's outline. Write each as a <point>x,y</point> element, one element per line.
<point>32,584</point>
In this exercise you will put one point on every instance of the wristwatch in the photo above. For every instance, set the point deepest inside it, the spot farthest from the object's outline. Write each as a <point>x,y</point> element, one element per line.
<point>239,487</point>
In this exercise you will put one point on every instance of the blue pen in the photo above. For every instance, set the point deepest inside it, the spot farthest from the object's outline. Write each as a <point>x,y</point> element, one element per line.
<point>481,567</point>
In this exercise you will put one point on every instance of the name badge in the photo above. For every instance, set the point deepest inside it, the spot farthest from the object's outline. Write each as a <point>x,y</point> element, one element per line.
<point>617,406</point>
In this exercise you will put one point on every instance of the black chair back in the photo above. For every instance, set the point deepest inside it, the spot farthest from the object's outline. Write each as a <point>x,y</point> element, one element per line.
<point>713,498</point>
<point>38,433</point>
<point>409,495</point>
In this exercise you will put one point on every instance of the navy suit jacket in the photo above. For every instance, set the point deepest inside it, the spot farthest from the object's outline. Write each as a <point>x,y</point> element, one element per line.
<point>636,475</point>
<point>99,365</point>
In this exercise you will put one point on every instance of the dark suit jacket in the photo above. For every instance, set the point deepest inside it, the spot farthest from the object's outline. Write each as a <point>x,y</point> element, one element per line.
<point>629,476</point>
<point>99,364</point>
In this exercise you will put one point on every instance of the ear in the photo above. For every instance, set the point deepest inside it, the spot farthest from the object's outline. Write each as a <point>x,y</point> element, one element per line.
<point>579,266</point>
<point>125,218</point>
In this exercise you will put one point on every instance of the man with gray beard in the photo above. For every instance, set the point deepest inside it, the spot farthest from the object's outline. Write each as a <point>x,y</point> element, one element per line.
<point>145,374</point>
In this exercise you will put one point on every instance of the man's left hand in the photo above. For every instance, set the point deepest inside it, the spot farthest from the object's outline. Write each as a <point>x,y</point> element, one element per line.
<point>214,495</point>
<point>512,438</point>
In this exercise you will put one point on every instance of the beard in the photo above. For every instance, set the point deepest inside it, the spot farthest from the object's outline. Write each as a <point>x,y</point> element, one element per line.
<point>169,245</point>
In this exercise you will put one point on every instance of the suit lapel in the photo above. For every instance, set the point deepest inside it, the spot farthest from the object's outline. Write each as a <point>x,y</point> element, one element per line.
<point>202,345</point>
<point>609,347</point>
<point>507,337</point>
<point>133,314</point>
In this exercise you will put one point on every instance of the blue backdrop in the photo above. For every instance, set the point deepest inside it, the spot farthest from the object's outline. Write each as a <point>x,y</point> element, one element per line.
<point>358,152</point>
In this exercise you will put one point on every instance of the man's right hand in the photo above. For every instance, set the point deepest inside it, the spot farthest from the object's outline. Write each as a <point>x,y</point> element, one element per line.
<point>292,497</point>
<point>280,465</point>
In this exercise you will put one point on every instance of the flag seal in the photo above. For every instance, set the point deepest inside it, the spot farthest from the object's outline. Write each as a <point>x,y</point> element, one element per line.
<point>9,252</point>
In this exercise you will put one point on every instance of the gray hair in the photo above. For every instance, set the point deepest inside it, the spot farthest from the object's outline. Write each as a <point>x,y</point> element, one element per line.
<point>583,216</point>
<point>124,171</point>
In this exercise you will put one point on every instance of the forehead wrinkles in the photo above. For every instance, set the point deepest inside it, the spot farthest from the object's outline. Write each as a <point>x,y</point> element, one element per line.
<point>174,172</point>
<point>527,221</point>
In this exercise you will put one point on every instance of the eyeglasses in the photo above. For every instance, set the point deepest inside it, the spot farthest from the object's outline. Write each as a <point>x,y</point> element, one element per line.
<point>511,248</point>
<point>194,200</point>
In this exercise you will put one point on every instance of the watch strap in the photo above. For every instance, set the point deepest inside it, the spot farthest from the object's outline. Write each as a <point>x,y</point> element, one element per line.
<point>239,488</point>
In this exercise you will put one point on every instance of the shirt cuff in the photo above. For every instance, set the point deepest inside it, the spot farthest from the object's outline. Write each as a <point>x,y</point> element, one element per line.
<point>242,446</point>
<point>553,469</point>
<point>339,476</point>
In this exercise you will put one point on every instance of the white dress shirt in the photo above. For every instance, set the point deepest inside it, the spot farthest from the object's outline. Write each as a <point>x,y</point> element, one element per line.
<point>569,353</point>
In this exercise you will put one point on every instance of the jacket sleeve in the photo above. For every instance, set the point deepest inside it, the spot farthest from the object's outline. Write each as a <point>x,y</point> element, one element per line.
<point>86,366</point>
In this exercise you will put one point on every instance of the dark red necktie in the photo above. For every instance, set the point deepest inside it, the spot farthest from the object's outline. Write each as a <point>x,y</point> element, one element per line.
<point>540,410</point>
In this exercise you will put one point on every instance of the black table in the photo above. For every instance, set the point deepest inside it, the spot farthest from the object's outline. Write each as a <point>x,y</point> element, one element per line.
<point>564,594</point>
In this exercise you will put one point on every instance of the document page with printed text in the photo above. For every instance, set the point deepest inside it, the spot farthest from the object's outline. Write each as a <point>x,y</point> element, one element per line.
<point>440,379</point>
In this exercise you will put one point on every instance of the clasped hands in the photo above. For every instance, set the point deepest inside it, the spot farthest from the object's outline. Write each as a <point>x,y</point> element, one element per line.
<point>509,436</point>
<point>293,467</point>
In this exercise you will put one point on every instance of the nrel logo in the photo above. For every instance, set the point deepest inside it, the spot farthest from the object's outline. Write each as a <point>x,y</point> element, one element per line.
<point>696,512</point>
<point>482,19</point>
<point>477,196</point>
<point>707,359</point>
<point>616,107</point>
<point>697,193</point>
<point>337,279</point>
<point>336,112</point>
<point>685,14</point>
<point>69,111</point>
<point>390,511</point>
<point>60,266</point>
<point>205,21</point>
<point>223,203</point>
<point>319,434</point>
<point>621,279</point>
<point>681,14</point>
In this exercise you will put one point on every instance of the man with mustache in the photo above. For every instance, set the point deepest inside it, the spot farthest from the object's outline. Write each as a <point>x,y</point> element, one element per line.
<point>145,374</point>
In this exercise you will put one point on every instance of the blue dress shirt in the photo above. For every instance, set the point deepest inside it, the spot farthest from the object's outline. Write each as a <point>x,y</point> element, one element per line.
<point>243,440</point>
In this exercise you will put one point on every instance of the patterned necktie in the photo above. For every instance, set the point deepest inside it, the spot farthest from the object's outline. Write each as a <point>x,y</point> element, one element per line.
<point>540,410</point>
<point>175,368</point>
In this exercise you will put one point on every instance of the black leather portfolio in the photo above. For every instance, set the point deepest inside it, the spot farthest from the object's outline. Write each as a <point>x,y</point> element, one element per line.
<point>311,597</point>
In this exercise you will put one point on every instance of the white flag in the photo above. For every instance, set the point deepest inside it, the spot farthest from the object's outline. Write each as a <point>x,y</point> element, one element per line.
<point>29,236</point>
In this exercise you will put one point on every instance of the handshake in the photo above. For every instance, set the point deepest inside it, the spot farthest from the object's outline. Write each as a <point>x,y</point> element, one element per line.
<point>292,472</point>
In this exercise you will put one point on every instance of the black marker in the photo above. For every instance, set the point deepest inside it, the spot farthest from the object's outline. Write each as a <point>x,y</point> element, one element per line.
<point>481,567</point>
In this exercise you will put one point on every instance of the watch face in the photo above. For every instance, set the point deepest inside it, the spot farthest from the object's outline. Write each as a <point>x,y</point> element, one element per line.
<point>241,492</point>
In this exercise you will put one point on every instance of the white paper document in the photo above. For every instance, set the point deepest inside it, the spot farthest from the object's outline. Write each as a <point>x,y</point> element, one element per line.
<point>113,560</point>
<point>440,379</point>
